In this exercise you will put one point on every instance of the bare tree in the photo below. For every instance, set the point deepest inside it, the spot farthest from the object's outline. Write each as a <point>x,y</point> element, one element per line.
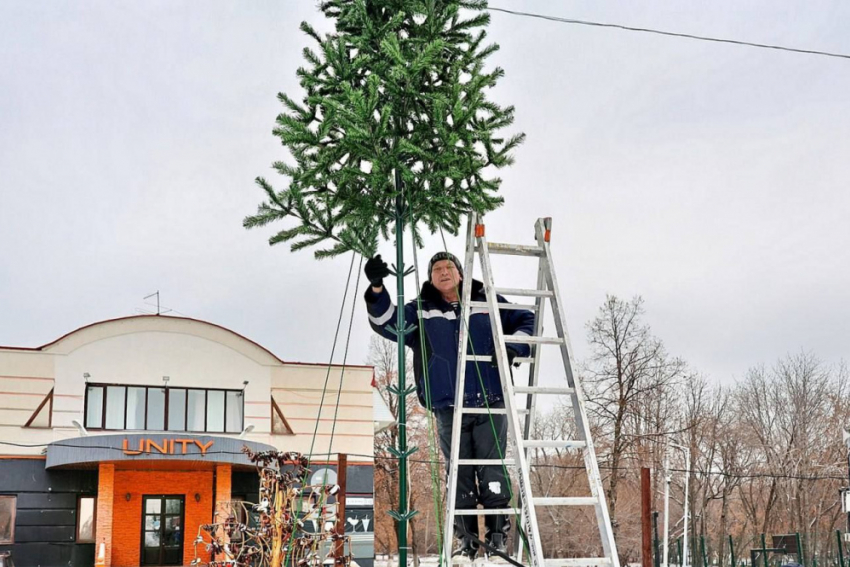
<point>628,371</point>
<point>787,417</point>
<point>724,464</point>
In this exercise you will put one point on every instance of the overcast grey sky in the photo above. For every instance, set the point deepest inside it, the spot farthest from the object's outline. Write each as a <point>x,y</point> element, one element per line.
<point>710,179</point>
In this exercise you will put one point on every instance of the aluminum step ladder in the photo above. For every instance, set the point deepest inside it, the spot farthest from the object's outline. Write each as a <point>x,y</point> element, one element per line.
<point>520,419</point>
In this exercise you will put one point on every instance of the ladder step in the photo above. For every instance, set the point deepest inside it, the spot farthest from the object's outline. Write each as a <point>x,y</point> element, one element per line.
<point>476,462</point>
<point>524,292</point>
<point>524,339</point>
<point>489,358</point>
<point>543,390</point>
<point>485,512</point>
<point>578,562</point>
<point>493,411</point>
<point>566,501</point>
<point>485,305</point>
<point>514,249</point>
<point>553,444</point>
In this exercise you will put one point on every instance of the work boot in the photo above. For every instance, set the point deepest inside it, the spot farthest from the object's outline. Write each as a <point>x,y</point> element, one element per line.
<point>468,548</point>
<point>497,527</point>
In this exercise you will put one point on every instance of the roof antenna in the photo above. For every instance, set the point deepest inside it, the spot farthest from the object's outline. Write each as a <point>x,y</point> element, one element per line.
<point>157,300</point>
<point>160,308</point>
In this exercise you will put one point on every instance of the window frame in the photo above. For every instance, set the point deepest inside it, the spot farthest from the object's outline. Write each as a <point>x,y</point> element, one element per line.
<point>93,520</point>
<point>14,499</point>
<point>104,388</point>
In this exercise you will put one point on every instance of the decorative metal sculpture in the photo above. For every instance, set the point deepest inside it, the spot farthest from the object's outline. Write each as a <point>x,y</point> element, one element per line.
<point>291,524</point>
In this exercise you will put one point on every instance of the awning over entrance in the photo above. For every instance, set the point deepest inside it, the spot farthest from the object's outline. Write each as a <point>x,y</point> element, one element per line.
<point>130,447</point>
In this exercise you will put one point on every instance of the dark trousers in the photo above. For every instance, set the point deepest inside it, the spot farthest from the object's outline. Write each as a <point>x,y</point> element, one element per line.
<point>477,441</point>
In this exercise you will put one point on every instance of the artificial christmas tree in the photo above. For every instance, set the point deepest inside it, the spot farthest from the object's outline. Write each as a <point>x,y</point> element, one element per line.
<point>394,129</point>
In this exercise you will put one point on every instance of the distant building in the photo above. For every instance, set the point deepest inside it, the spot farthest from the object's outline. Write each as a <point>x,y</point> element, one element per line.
<point>118,439</point>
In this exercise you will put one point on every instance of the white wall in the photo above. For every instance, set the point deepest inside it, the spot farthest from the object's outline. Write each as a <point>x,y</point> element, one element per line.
<point>297,389</point>
<point>145,357</point>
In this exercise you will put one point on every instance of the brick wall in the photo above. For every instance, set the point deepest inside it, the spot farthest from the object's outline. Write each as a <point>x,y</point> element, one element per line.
<point>103,525</point>
<point>223,475</point>
<point>127,515</point>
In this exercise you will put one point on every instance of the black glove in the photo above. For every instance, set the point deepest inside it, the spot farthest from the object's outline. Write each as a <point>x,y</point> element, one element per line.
<point>376,270</point>
<point>512,354</point>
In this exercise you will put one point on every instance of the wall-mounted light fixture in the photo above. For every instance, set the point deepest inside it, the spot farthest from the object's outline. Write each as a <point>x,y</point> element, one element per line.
<point>128,496</point>
<point>86,377</point>
<point>76,423</point>
<point>166,379</point>
<point>197,497</point>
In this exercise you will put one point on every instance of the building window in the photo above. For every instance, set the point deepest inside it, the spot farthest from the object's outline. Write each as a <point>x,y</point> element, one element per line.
<point>233,413</point>
<point>115,406</point>
<point>94,407</point>
<point>155,420</point>
<point>177,409</point>
<point>136,406</point>
<point>8,506</point>
<point>154,408</point>
<point>215,411</point>
<point>86,518</point>
<point>195,410</point>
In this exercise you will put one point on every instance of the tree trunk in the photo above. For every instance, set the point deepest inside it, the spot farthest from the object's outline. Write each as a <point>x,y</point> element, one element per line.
<point>615,474</point>
<point>724,522</point>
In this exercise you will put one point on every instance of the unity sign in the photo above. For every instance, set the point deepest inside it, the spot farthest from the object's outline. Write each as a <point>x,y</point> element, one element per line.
<point>166,446</point>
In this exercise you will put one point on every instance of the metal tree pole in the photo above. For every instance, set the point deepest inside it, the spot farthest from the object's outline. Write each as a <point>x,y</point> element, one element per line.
<point>402,385</point>
<point>687,497</point>
<point>845,435</point>
<point>646,517</point>
<point>683,555</point>
<point>732,551</point>
<point>655,544</point>
<point>402,514</point>
<point>666,506</point>
<point>764,550</point>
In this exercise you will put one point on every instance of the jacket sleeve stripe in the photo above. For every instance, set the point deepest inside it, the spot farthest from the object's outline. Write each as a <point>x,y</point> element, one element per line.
<point>450,315</point>
<point>383,318</point>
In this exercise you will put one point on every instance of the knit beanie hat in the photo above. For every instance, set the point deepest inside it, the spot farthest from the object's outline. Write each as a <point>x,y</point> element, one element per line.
<point>444,256</point>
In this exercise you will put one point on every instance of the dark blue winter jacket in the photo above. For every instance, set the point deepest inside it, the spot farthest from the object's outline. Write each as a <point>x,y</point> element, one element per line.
<point>441,327</point>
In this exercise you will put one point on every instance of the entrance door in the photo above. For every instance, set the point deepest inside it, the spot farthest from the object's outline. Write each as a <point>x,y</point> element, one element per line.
<point>162,530</point>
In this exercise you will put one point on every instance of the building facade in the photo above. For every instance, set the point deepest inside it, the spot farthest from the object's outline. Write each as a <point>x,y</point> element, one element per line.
<point>119,439</point>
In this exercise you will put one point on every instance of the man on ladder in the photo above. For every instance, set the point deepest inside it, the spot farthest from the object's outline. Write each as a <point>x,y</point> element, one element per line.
<point>440,321</point>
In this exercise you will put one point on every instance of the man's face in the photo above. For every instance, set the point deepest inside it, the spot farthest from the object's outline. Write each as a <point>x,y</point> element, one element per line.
<point>445,277</point>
